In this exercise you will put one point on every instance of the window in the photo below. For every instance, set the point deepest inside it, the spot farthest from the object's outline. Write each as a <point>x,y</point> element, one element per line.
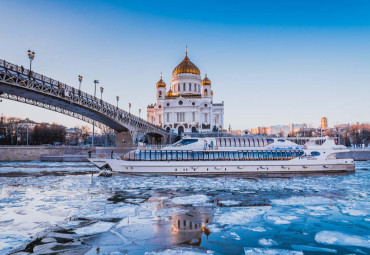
<point>168,104</point>
<point>189,86</point>
<point>180,117</point>
<point>184,86</point>
<point>168,117</point>
<point>315,153</point>
<point>205,117</point>
<point>185,142</point>
<point>181,102</point>
<point>160,93</point>
<point>193,114</point>
<point>206,92</point>
<point>178,87</point>
<point>193,103</point>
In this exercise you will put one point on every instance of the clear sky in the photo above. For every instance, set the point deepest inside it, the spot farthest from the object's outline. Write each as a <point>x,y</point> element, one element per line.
<point>271,62</point>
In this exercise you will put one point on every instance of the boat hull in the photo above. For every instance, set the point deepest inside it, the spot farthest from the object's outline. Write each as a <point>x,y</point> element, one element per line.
<point>295,166</point>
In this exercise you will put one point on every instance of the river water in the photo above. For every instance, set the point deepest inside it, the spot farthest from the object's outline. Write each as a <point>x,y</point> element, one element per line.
<point>65,208</point>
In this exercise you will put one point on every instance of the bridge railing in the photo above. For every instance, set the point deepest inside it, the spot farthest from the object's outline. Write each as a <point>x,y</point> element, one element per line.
<point>71,92</point>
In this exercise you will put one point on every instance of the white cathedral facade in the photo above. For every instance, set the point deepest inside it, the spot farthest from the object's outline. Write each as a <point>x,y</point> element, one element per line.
<point>187,106</point>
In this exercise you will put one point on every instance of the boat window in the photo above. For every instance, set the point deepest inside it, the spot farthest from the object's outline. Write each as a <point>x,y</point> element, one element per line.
<point>158,155</point>
<point>206,156</point>
<point>315,153</point>
<point>137,155</point>
<point>284,155</point>
<point>258,142</point>
<point>164,155</point>
<point>236,156</point>
<point>169,155</point>
<point>211,155</point>
<point>201,155</point>
<point>147,155</point>
<point>226,155</point>
<point>249,142</point>
<point>274,155</point>
<point>195,155</point>
<point>245,155</point>
<point>142,155</point>
<point>218,142</point>
<point>190,155</point>
<point>179,155</point>
<point>281,140</point>
<point>269,140</point>
<point>174,155</point>
<point>253,143</point>
<point>184,155</point>
<point>279,155</point>
<point>260,155</point>
<point>229,142</point>
<point>265,156</point>
<point>217,157</point>
<point>270,154</point>
<point>152,155</point>
<point>241,155</point>
<point>289,154</point>
<point>255,155</point>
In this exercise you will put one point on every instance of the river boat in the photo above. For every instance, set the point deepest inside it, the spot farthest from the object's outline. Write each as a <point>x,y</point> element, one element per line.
<point>233,155</point>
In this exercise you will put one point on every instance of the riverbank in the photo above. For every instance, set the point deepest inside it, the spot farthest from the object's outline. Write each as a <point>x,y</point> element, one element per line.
<point>57,153</point>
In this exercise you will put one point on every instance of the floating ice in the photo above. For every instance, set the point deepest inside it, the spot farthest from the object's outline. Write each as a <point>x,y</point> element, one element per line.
<point>279,220</point>
<point>312,248</point>
<point>338,238</point>
<point>183,251</point>
<point>237,216</point>
<point>269,251</point>
<point>267,242</point>
<point>231,235</point>
<point>191,200</point>
<point>230,202</point>
<point>95,228</point>
<point>256,229</point>
<point>303,201</point>
<point>353,212</point>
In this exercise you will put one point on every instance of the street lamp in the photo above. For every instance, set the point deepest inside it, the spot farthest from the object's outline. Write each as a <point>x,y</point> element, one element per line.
<point>31,56</point>
<point>117,98</point>
<point>139,113</point>
<point>93,134</point>
<point>101,94</point>
<point>80,80</point>
<point>129,108</point>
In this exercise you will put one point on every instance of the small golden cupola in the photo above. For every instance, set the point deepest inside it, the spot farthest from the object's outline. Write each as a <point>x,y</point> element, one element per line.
<point>186,66</point>
<point>206,81</point>
<point>161,83</point>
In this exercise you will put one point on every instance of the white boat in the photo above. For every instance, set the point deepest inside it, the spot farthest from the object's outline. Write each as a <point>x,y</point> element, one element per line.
<point>234,155</point>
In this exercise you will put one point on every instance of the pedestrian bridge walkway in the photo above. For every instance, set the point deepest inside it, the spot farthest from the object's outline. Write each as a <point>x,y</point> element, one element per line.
<point>21,85</point>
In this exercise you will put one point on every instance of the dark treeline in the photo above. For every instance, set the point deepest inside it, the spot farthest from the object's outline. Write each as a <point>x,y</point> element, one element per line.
<point>48,134</point>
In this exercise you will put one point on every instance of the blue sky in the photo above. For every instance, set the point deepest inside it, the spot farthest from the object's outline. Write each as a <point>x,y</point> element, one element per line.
<point>271,62</point>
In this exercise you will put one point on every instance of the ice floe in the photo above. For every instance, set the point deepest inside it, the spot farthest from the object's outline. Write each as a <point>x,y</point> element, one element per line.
<point>237,216</point>
<point>191,200</point>
<point>270,251</point>
<point>338,238</point>
<point>267,242</point>
<point>95,228</point>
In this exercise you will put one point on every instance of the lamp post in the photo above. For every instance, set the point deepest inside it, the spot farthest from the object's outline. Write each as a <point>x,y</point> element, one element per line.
<point>31,56</point>
<point>117,98</point>
<point>139,113</point>
<point>93,134</point>
<point>80,80</point>
<point>101,94</point>
<point>129,108</point>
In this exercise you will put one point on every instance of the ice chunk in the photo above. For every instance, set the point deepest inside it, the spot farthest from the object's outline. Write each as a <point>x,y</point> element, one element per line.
<point>256,229</point>
<point>237,216</point>
<point>95,228</point>
<point>280,220</point>
<point>338,238</point>
<point>230,202</point>
<point>312,248</point>
<point>267,242</point>
<point>191,200</point>
<point>354,212</point>
<point>269,251</point>
<point>302,201</point>
<point>180,250</point>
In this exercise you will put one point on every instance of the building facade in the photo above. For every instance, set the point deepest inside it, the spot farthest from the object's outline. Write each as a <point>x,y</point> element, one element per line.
<point>324,123</point>
<point>187,106</point>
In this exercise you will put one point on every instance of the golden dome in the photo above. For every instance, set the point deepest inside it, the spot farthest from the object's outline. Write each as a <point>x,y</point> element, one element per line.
<point>161,83</point>
<point>206,81</point>
<point>186,66</point>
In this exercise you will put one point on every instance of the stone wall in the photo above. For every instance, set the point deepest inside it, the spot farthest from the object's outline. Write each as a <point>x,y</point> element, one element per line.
<point>27,153</point>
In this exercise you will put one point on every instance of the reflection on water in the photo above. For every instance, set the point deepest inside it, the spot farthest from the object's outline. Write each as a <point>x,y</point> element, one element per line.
<point>81,214</point>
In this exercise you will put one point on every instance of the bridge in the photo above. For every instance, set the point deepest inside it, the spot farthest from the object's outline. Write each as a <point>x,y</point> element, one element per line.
<point>25,86</point>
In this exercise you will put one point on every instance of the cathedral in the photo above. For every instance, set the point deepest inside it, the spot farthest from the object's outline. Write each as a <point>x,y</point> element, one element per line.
<point>187,106</point>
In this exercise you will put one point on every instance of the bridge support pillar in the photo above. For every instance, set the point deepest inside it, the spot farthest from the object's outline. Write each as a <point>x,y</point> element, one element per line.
<point>124,139</point>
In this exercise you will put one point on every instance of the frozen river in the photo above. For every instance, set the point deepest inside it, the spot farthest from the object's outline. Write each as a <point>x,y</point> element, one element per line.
<point>61,208</point>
